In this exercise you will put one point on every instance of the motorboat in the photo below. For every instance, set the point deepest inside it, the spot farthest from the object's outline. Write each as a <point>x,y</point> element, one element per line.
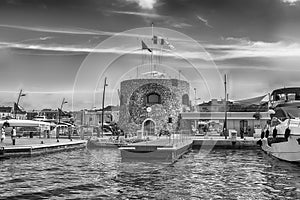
<point>285,145</point>
<point>281,138</point>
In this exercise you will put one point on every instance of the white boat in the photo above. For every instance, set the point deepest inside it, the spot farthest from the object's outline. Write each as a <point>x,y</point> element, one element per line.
<point>286,145</point>
<point>23,123</point>
<point>286,120</point>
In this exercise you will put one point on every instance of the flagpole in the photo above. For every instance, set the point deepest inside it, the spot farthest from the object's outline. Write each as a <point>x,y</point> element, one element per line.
<point>152,48</point>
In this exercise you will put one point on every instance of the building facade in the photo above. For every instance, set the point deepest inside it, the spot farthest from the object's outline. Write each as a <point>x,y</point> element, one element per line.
<point>93,118</point>
<point>245,122</point>
<point>6,112</point>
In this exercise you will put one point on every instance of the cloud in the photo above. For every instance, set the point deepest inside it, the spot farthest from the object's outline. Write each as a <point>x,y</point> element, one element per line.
<point>180,24</point>
<point>291,2</point>
<point>144,4</point>
<point>243,48</point>
<point>233,48</point>
<point>74,31</point>
<point>204,21</point>
<point>142,14</point>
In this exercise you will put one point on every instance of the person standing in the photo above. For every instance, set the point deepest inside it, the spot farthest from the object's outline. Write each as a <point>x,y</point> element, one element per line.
<point>2,134</point>
<point>13,136</point>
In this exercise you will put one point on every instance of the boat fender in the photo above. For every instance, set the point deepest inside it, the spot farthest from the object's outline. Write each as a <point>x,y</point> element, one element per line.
<point>267,133</point>
<point>259,143</point>
<point>274,132</point>
<point>262,135</point>
<point>287,133</point>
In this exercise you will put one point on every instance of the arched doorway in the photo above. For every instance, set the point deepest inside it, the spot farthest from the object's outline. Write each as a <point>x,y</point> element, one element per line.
<point>148,127</point>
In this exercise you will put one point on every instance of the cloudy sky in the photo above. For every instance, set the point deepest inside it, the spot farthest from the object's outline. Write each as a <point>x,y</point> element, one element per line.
<point>54,48</point>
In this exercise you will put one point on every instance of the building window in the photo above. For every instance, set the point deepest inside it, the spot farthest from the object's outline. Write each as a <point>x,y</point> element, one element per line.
<point>153,98</point>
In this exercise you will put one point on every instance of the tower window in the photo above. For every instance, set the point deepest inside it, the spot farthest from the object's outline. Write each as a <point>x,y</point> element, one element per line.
<point>153,98</point>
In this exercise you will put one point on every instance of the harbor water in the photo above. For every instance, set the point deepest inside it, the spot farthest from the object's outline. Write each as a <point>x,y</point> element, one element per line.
<point>100,174</point>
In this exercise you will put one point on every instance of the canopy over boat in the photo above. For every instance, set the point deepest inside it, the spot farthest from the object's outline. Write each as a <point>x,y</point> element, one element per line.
<point>288,112</point>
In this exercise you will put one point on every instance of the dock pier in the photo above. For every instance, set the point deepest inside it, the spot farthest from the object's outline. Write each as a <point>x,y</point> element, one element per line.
<point>160,149</point>
<point>31,147</point>
<point>169,150</point>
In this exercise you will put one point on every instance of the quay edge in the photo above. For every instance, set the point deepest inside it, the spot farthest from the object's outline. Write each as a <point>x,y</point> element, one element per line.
<point>34,150</point>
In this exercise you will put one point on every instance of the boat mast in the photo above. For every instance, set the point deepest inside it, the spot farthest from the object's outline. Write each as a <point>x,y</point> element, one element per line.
<point>225,120</point>
<point>103,98</point>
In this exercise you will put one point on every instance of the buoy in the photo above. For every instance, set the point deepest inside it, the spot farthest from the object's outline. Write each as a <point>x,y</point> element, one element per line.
<point>287,133</point>
<point>262,135</point>
<point>259,142</point>
<point>267,133</point>
<point>274,132</point>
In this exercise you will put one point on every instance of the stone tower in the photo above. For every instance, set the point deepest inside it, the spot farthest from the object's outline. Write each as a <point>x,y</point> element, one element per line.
<point>152,103</point>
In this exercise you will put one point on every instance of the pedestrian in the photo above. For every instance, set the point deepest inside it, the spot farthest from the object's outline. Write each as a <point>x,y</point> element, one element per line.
<point>13,135</point>
<point>2,134</point>
<point>242,132</point>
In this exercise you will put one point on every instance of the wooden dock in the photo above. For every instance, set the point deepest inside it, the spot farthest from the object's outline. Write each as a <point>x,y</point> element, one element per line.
<point>172,149</point>
<point>165,150</point>
<point>30,147</point>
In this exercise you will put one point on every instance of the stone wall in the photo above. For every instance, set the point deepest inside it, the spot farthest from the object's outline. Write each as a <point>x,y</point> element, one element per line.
<point>174,97</point>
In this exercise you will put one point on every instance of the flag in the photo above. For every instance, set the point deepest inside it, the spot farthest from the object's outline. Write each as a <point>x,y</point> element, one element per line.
<point>169,45</point>
<point>144,46</point>
<point>154,39</point>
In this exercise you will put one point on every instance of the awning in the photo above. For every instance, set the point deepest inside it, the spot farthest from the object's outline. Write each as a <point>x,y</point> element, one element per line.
<point>255,100</point>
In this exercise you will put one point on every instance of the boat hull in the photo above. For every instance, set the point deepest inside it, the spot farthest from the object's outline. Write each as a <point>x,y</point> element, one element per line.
<point>287,151</point>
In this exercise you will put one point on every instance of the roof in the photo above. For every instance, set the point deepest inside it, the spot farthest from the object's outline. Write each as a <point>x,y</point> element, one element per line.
<point>253,100</point>
<point>6,109</point>
<point>286,90</point>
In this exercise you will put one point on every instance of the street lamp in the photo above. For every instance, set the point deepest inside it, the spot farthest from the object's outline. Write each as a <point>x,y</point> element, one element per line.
<point>17,104</point>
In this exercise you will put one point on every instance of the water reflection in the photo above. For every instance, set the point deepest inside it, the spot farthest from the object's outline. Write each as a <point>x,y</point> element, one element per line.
<point>100,174</point>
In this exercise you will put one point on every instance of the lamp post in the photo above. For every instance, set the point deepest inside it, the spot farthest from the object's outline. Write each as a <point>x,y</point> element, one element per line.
<point>195,89</point>
<point>103,98</point>
<point>17,104</point>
